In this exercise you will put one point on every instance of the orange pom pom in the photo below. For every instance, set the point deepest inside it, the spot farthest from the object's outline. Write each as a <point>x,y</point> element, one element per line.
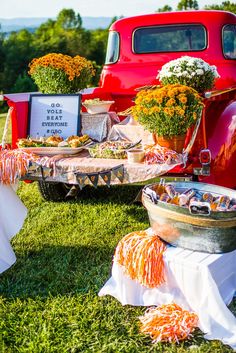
<point>141,255</point>
<point>14,165</point>
<point>168,323</point>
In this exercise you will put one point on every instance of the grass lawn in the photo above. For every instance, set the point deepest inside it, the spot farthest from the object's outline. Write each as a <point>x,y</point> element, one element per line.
<point>48,299</point>
<point>2,124</point>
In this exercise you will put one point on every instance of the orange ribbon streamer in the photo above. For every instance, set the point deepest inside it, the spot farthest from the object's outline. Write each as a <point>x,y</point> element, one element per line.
<point>168,323</point>
<point>14,165</point>
<point>141,256</point>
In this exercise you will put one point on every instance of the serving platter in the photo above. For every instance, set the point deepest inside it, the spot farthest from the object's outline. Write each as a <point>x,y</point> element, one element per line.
<point>111,149</point>
<point>52,151</point>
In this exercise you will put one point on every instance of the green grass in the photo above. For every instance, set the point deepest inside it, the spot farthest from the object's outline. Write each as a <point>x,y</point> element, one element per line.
<point>49,299</point>
<point>2,124</point>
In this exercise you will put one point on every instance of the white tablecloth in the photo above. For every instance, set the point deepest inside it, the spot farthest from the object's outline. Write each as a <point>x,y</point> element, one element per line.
<point>12,216</point>
<point>98,126</point>
<point>200,282</point>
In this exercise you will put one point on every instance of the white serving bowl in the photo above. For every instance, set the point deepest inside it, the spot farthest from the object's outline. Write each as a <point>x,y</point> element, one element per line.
<point>100,107</point>
<point>135,155</point>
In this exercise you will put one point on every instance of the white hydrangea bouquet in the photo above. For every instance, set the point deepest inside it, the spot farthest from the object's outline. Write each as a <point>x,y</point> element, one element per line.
<point>189,71</point>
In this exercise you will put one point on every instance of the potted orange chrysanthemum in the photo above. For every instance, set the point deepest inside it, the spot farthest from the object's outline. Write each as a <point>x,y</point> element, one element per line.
<point>168,112</point>
<point>63,74</point>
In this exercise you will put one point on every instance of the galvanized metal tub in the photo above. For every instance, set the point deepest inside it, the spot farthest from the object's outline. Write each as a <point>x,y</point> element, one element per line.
<point>215,233</point>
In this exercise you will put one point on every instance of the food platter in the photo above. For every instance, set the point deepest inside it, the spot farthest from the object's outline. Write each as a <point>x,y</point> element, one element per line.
<point>55,144</point>
<point>52,151</point>
<point>111,149</point>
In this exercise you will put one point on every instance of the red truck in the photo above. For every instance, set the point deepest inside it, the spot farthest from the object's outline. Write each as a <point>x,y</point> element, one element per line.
<point>137,48</point>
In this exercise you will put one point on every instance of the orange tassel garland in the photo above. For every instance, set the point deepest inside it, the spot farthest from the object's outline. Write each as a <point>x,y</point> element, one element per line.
<point>14,165</point>
<point>141,256</point>
<point>168,323</point>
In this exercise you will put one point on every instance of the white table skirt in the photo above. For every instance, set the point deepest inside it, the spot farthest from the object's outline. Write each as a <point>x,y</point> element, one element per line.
<point>199,282</point>
<point>12,216</point>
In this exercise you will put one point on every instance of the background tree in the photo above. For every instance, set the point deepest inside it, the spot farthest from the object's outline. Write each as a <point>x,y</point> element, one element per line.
<point>65,35</point>
<point>165,8</point>
<point>187,5</point>
<point>98,44</point>
<point>67,19</point>
<point>114,19</point>
<point>49,37</point>
<point>225,6</point>
<point>24,84</point>
<point>2,54</point>
<point>97,51</point>
<point>18,51</point>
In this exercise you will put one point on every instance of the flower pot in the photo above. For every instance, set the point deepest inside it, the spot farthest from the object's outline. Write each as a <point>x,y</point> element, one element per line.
<point>175,143</point>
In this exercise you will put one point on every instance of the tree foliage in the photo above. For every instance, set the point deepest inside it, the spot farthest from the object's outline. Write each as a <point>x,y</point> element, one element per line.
<point>64,35</point>
<point>67,19</point>
<point>165,8</point>
<point>225,6</point>
<point>18,50</point>
<point>2,53</point>
<point>114,19</point>
<point>187,5</point>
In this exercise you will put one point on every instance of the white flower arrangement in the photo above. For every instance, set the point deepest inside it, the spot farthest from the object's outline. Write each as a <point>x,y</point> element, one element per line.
<point>189,71</point>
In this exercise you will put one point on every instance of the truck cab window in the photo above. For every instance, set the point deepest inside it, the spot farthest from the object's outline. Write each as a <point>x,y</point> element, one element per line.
<point>229,41</point>
<point>112,48</point>
<point>171,38</point>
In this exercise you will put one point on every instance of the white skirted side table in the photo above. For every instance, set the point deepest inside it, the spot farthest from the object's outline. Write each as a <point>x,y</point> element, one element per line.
<point>12,216</point>
<point>200,282</point>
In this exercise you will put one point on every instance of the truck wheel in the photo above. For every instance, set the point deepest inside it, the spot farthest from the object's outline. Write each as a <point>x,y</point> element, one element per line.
<point>53,191</point>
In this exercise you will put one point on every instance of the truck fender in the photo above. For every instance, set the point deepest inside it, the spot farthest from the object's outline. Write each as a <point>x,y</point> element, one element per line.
<point>222,144</point>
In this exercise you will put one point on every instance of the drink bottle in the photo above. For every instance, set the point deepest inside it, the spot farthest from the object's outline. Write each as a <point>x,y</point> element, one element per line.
<point>196,206</point>
<point>223,204</point>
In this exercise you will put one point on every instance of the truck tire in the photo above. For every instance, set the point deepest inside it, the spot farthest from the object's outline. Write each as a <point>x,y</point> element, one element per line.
<point>53,191</point>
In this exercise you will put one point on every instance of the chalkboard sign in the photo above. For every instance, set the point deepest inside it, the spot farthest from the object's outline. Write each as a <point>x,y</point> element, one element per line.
<point>51,114</point>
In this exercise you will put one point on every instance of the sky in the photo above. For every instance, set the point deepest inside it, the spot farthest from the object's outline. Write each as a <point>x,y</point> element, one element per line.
<point>94,8</point>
